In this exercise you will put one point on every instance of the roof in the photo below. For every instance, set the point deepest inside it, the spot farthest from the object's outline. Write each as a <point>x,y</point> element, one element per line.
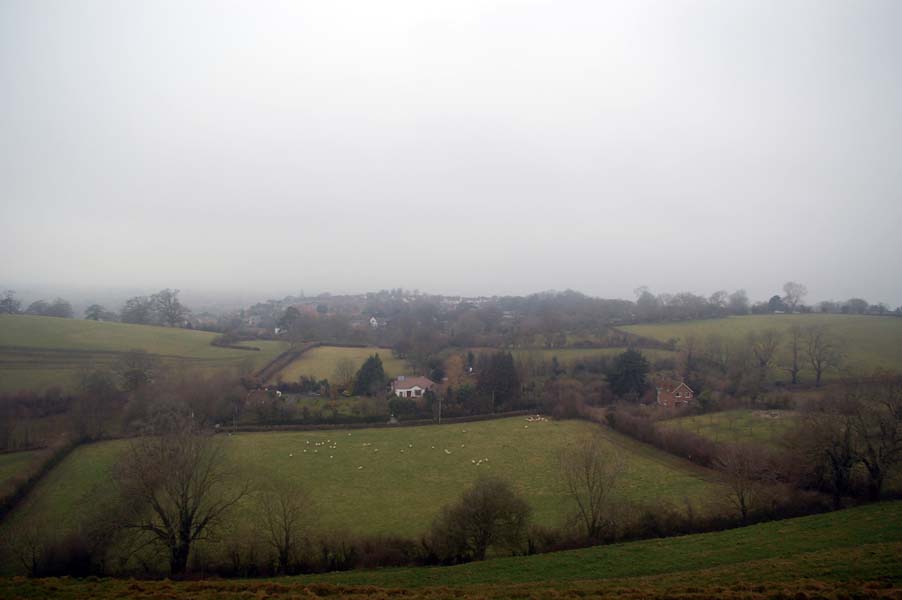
<point>671,386</point>
<point>407,382</point>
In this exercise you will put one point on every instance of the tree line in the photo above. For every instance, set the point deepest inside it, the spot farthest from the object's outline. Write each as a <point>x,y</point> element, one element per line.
<point>162,308</point>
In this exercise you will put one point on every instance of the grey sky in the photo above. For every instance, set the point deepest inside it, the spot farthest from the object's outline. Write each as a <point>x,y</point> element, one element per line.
<point>459,147</point>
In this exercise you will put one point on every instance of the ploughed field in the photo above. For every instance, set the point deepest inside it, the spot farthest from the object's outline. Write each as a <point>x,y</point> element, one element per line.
<point>867,342</point>
<point>850,553</point>
<point>40,352</point>
<point>321,362</point>
<point>742,425</point>
<point>386,480</point>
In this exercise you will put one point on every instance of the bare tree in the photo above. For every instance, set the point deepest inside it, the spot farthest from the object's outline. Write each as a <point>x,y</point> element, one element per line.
<point>764,347</point>
<point>287,514</point>
<point>718,351</point>
<point>9,304</point>
<point>175,487</point>
<point>877,424</point>
<point>794,365</point>
<point>825,441</point>
<point>822,351</point>
<point>345,369</point>
<point>793,294</point>
<point>592,471</point>
<point>488,514</point>
<point>744,469</point>
<point>168,309</point>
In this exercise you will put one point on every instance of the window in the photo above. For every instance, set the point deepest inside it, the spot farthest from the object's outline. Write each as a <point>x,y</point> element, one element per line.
<point>677,395</point>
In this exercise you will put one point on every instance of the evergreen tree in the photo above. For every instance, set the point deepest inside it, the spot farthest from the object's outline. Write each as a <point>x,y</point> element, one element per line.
<point>627,376</point>
<point>370,379</point>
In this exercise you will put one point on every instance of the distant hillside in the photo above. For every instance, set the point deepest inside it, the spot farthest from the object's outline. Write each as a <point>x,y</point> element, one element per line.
<point>868,342</point>
<point>39,352</point>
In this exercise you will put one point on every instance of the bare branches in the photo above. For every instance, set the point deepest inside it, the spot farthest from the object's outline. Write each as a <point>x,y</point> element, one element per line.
<point>591,471</point>
<point>175,488</point>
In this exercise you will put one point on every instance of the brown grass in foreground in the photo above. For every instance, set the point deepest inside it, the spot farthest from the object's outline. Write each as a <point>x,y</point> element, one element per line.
<point>64,588</point>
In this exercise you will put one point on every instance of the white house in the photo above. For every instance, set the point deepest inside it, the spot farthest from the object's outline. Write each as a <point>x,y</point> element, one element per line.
<point>411,387</point>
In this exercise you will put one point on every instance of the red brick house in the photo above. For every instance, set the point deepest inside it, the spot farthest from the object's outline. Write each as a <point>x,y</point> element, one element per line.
<point>673,393</point>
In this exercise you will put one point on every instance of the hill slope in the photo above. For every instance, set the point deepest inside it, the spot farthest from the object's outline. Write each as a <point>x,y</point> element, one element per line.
<point>850,553</point>
<point>868,342</point>
<point>38,352</point>
<point>405,479</point>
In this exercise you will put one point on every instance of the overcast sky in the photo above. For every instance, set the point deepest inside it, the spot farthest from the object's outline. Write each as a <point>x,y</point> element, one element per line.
<point>460,147</point>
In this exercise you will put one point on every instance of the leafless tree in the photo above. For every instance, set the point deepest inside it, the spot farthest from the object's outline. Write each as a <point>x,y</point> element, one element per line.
<point>175,487</point>
<point>287,513</point>
<point>824,441</point>
<point>744,469</point>
<point>794,365</point>
<point>488,514</point>
<point>592,472</point>
<point>168,309</point>
<point>345,369</point>
<point>877,424</point>
<point>793,294</point>
<point>822,351</point>
<point>718,351</point>
<point>764,348</point>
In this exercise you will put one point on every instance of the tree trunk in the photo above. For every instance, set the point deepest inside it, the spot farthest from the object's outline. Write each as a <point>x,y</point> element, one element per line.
<point>875,484</point>
<point>178,558</point>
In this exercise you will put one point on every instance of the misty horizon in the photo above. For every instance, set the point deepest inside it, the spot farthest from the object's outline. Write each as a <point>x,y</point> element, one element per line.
<point>481,149</point>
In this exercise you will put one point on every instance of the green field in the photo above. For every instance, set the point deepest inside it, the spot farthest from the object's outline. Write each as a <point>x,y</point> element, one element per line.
<point>851,553</point>
<point>868,342</point>
<point>320,363</point>
<point>569,355</point>
<point>14,465</point>
<point>406,475</point>
<point>743,425</point>
<point>39,352</point>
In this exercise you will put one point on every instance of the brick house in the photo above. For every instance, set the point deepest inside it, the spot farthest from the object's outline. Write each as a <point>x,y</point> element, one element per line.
<point>673,393</point>
<point>411,387</point>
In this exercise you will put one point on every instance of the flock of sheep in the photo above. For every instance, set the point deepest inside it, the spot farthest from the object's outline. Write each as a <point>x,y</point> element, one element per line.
<point>330,444</point>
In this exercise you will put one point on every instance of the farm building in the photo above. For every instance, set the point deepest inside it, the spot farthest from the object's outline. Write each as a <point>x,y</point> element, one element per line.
<point>673,393</point>
<point>411,387</point>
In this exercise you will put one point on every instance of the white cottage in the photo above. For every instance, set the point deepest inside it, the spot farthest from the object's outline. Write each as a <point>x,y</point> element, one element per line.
<point>411,387</point>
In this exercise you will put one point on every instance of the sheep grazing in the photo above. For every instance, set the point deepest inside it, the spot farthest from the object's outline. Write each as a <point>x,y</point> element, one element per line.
<point>461,445</point>
<point>358,468</point>
<point>410,445</point>
<point>290,454</point>
<point>330,456</point>
<point>473,460</point>
<point>447,451</point>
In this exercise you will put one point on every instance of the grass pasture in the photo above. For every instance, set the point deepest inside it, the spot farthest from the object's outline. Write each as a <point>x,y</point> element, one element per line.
<point>743,425</point>
<point>389,480</point>
<point>40,352</point>
<point>868,342</point>
<point>845,554</point>
<point>320,362</point>
<point>14,465</point>
<point>567,356</point>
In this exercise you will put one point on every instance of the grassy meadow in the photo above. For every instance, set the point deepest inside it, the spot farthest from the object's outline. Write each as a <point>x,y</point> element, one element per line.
<point>742,425</point>
<point>868,342</point>
<point>844,554</point>
<point>388,480</point>
<point>40,352</point>
<point>320,362</point>
<point>18,464</point>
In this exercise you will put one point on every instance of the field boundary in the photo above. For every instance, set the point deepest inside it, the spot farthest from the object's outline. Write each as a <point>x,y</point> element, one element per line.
<point>373,425</point>
<point>282,361</point>
<point>9,502</point>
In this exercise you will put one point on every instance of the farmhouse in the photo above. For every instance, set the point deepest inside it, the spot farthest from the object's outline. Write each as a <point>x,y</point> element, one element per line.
<point>673,393</point>
<point>411,387</point>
